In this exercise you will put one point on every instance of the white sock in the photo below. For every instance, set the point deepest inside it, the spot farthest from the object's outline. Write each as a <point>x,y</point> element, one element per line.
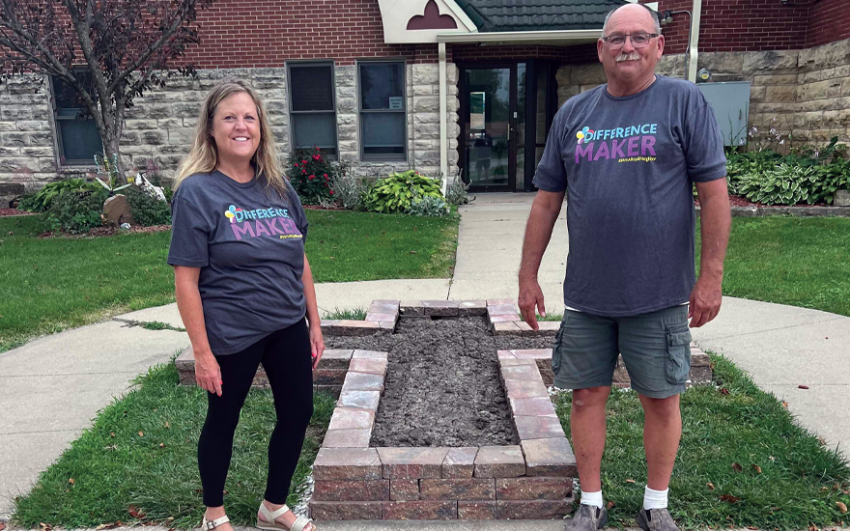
<point>655,499</point>
<point>592,498</point>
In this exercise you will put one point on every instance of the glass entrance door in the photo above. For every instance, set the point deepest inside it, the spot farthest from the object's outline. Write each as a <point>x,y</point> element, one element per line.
<point>488,105</point>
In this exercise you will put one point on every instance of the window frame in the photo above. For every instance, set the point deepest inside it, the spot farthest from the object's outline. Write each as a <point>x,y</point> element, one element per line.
<point>366,157</point>
<point>57,130</point>
<point>291,100</point>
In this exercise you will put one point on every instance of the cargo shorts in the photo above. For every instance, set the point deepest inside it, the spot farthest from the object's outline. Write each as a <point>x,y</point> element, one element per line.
<point>655,348</point>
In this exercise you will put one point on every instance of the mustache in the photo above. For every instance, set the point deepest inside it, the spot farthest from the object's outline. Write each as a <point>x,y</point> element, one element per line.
<point>634,56</point>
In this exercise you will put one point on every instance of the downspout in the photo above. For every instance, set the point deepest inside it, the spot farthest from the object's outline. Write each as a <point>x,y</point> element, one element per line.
<point>444,141</point>
<point>693,41</point>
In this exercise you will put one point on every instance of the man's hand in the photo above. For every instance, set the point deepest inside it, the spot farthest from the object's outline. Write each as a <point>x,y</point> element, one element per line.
<point>706,298</point>
<point>531,298</point>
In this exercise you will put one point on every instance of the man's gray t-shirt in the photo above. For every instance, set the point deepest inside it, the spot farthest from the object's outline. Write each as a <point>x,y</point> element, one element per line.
<point>249,243</point>
<point>628,165</point>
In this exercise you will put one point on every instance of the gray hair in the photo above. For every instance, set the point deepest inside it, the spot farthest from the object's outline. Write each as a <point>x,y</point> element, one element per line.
<point>654,15</point>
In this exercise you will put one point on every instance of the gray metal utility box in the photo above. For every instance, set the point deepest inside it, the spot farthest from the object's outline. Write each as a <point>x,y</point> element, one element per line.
<point>731,104</point>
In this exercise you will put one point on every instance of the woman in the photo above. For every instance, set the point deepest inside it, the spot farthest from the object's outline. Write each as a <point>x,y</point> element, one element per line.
<point>243,287</point>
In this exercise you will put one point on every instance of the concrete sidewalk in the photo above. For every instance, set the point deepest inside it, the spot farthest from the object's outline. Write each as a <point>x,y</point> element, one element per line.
<point>54,386</point>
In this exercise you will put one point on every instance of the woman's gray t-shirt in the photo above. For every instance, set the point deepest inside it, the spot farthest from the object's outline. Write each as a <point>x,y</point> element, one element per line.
<point>249,243</point>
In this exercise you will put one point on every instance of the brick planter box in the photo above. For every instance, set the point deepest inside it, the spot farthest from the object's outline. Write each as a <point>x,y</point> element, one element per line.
<point>531,480</point>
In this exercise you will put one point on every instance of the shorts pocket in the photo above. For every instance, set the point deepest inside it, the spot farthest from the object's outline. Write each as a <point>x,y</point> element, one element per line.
<point>678,357</point>
<point>556,348</point>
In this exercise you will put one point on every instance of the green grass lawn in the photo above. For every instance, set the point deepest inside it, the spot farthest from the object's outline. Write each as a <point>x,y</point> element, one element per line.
<point>50,284</point>
<point>797,483</point>
<point>141,456</point>
<point>790,260</point>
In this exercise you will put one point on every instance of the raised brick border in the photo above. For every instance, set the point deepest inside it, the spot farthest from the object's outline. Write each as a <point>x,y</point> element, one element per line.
<point>329,376</point>
<point>532,480</point>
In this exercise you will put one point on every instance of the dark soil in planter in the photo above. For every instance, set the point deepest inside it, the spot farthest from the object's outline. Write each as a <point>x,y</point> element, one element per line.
<point>442,386</point>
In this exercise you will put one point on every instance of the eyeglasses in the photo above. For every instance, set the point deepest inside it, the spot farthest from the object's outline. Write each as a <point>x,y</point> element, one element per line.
<point>639,40</point>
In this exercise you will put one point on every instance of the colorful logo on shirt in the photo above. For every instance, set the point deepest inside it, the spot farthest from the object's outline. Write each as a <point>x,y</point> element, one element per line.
<point>253,223</point>
<point>634,143</point>
<point>584,133</point>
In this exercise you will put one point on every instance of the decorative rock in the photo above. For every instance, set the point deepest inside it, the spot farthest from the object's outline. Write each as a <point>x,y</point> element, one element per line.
<point>549,457</point>
<point>533,488</point>
<point>458,489</point>
<point>347,463</point>
<point>378,490</point>
<point>420,510</point>
<point>354,510</point>
<point>459,463</point>
<point>404,489</point>
<point>116,210</point>
<point>356,438</point>
<point>842,198</point>
<point>499,462</point>
<point>412,463</point>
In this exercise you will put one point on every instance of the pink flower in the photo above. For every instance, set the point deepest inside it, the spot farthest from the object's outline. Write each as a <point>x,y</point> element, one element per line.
<point>332,192</point>
<point>311,177</point>
<point>304,172</point>
<point>326,175</point>
<point>296,164</point>
<point>304,161</point>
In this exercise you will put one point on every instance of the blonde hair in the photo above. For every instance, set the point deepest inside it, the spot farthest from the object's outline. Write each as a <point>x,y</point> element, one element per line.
<point>203,157</point>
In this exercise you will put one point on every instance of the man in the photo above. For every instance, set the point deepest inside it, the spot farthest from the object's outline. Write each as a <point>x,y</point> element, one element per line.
<point>627,153</point>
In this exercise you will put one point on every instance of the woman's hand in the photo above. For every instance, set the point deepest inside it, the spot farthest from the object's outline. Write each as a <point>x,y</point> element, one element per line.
<point>208,373</point>
<point>317,344</point>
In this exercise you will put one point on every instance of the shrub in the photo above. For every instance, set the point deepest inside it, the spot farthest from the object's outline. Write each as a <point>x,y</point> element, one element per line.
<point>41,200</point>
<point>429,206</point>
<point>456,192</point>
<point>395,193</point>
<point>76,212</point>
<point>350,192</point>
<point>147,210</point>
<point>311,175</point>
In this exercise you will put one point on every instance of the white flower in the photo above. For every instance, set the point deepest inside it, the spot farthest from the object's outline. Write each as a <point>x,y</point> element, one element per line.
<point>781,142</point>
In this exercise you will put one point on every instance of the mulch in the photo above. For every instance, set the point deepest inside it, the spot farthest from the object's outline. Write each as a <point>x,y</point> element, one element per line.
<point>14,212</point>
<point>107,231</point>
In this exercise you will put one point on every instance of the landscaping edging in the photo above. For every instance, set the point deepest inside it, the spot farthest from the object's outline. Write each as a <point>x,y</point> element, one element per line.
<point>801,211</point>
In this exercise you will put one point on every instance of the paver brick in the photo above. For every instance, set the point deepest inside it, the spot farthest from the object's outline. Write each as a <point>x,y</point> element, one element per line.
<point>380,317</point>
<point>412,463</point>
<point>506,329</point>
<point>499,302</point>
<point>472,308</point>
<point>535,407</point>
<point>502,309</point>
<point>354,328</point>
<point>518,388</point>
<point>404,489</point>
<point>440,308</point>
<point>412,309</point>
<point>533,488</point>
<point>505,318</point>
<point>520,372</point>
<point>533,353</point>
<point>344,418</point>
<point>335,359</point>
<point>371,366</point>
<point>377,490</point>
<point>358,381</point>
<point>499,462</point>
<point>347,463</point>
<point>420,510</point>
<point>369,354</point>
<point>358,438</point>
<point>353,510</point>
<point>329,376</point>
<point>538,427</point>
<point>549,457</point>
<point>513,510</point>
<point>548,328</point>
<point>458,489</point>
<point>360,399</point>
<point>459,462</point>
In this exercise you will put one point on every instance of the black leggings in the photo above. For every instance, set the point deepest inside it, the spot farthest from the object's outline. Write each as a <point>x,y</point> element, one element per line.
<point>285,355</point>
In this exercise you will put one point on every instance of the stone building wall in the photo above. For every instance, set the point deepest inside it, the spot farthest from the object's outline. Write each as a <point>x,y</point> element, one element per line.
<point>804,92</point>
<point>159,127</point>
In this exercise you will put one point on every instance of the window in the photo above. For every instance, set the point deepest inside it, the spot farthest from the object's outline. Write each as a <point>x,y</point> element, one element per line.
<point>312,107</point>
<point>77,136</point>
<point>383,127</point>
